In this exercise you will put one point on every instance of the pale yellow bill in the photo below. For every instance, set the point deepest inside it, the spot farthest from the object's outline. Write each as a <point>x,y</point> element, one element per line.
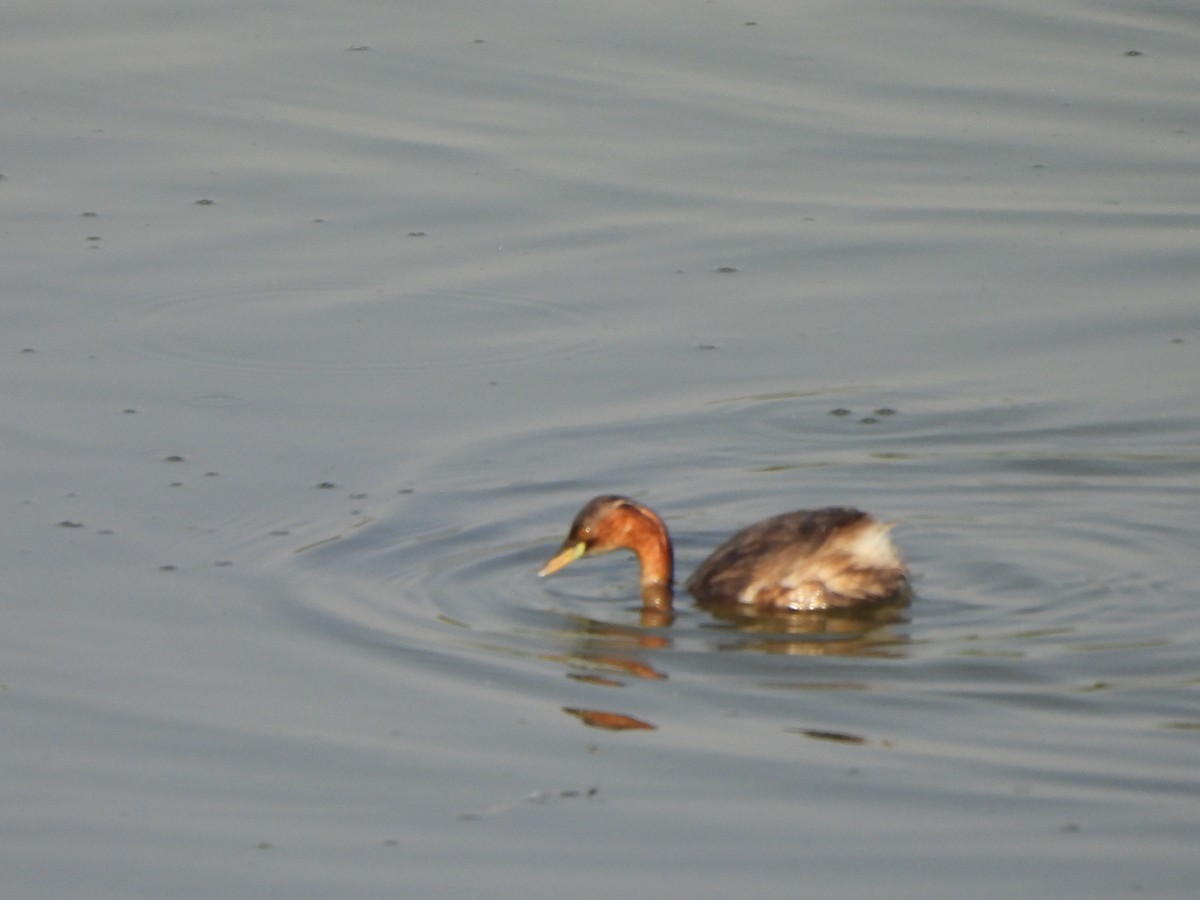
<point>563,557</point>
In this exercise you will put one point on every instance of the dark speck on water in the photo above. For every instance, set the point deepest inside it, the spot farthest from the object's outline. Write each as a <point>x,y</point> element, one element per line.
<point>837,737</point>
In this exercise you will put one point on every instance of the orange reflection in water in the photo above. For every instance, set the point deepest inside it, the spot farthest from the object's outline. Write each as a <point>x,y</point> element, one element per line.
<point>609,721</point>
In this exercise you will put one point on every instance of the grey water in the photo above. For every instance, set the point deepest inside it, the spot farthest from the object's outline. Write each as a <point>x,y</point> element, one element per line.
<point>321,321</point>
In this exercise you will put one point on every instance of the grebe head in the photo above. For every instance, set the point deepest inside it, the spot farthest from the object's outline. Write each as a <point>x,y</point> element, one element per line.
<point>609,523</point>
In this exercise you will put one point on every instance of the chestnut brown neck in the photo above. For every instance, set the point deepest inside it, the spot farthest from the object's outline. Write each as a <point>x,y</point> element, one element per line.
<point>647,537</point>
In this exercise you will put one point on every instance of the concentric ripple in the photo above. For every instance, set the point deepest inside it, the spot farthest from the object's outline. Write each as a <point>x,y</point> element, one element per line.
<point>1027,541</point>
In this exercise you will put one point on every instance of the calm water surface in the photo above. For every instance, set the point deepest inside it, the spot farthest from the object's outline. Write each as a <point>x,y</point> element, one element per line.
<point>321,325</point>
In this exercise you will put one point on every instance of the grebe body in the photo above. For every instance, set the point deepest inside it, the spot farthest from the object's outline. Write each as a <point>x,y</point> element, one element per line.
<point>832,558</point>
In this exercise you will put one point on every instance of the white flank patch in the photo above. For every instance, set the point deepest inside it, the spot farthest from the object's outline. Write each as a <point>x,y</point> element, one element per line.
<point>874,548</point>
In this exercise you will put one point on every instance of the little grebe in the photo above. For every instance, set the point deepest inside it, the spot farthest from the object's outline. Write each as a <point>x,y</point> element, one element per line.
<point>806,560</point>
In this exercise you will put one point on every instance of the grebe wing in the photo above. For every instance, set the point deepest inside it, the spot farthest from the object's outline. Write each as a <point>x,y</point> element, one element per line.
<point>809,559</point>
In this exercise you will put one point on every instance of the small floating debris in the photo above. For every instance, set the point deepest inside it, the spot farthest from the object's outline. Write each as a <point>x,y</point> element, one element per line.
<point>537,798</point>
<point>590,792</point>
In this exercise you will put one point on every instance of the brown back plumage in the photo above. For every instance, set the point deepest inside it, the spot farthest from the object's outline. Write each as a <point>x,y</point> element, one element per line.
<point>810,559</point>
